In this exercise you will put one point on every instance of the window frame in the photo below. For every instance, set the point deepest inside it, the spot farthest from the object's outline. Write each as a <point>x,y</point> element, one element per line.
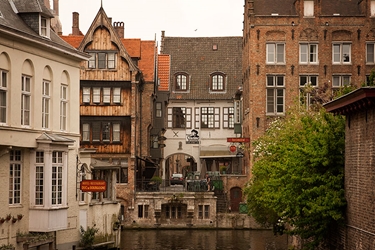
<point>341,80</point>
<point>340,53</point>
<point>3,96</point>
<point>96,133</point>
<point>15,177</point>
<point>57,175</point>
<point>64,107</point>
<point>305,97</point>
<point>228,117</point>
<point>39,178</point>
<point>219,84</point>
<point>308,8</point>
<point>181,78</point>
<point>272,57</point>
<point>372,55</point>
<point>275,88</point>
<point>308,54</point>
<point>158,109</point>
<point>26,95</point>
<point>210,117</point>
<point>172,117</point>
<point>46,97</point>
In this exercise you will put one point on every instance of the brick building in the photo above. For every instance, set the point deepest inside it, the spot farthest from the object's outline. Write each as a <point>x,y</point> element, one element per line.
<point>289,44</point>
<point>359,110</point>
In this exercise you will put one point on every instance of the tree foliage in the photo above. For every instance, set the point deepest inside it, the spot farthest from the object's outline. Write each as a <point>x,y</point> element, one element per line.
<point>297,183</point>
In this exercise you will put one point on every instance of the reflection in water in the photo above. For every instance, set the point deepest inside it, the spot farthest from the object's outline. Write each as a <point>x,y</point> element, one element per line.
<point>202,239</point>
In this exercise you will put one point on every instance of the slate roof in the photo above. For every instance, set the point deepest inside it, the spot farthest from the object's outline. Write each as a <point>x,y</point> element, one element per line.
<point>196,57</point>
<point>342,7</point>
<point>11,23</point>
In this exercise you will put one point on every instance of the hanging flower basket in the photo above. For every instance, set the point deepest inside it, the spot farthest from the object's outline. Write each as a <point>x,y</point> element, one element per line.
<point>2,220</point>
<point>19,216</point>
<point>14,219</point>
<point>9,216</point>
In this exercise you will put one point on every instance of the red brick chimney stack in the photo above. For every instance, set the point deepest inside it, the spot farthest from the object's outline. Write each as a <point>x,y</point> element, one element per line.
<point>120,29</point>
<point>75,26</point>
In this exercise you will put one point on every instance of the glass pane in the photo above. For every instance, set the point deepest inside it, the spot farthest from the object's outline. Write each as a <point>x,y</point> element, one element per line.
<point>271,53</point>
<point>270,101</point>
<point>303,53</point>
<point>280,53</point>
<point>346,52</point>
<point>370,53</point>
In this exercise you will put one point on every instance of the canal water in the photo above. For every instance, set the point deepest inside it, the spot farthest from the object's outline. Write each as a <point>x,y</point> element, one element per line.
<point>202,240</point>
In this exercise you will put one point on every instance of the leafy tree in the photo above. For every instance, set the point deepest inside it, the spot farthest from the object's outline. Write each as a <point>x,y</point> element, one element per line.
<point>297,183</point>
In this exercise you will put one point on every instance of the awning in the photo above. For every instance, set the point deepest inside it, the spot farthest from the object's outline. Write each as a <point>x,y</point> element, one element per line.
<point>216,152</point>
<point>98,164</point>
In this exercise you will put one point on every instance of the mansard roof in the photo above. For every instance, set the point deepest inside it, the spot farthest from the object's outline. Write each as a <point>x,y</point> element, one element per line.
<point>32,6</point>
<point>12,24</point>
<point>197,57</point>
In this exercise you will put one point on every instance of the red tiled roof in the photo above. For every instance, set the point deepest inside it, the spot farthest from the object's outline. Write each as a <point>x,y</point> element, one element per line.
<point>75,41</point>
<point>132,46</point>
<point>163,72</point>
<point>147,62</point>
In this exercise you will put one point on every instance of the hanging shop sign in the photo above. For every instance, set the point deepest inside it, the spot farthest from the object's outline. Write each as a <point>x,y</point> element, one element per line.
<point>93,186</point>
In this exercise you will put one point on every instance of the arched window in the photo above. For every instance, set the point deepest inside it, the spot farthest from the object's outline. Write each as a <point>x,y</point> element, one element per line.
<point>181,82</point>
<point>217,82</point>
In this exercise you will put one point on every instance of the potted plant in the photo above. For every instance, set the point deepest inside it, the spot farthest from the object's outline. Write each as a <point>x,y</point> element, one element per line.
<point>19,216</point>
<point>8,217</point>
<point>155,182</point>
<point>2,220</point>
<point>223,169</point>
<point>14,219</point>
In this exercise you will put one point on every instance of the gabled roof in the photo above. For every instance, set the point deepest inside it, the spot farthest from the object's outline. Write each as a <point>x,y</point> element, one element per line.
<point>13,25</point>
<point>99,21</point>
<point>143,51</point>
<point>196,57</point>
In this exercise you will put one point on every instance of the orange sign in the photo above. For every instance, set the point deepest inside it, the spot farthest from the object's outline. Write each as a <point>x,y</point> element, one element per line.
<point>93,186</point>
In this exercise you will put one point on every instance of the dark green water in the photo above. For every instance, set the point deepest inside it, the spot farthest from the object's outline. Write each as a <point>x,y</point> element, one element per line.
<point>202,239</point>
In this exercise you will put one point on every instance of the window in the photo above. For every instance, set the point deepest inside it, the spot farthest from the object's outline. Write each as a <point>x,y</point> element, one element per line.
<point>107,95</point>
<point>154,141</point>
<point>275,94</point>
<point>275,53</point>
<point>102,60</point>
<point>142,211</point>
<point>106,175</point>
<point>92,61</point>
<point>85,132</point>
<point>203,211</point>
<point>341,53</point>
<point>238,112</point>
<point>44,27</point>
<point>86,95</point>
<point>370,52</point>
<point>63,106</point>
<point>372,8</point>
<point>173,212</point>
<point>158,109</point>
<point>217,82</point>
<point>3,95</point>
<point>39,178</point>
<point>57,171</point>
<point>25,100</point>
<point>210,117</point>
<point>308,8</point>
<point>340,81</point>
<point>228,119</point>
<point>102,95</point>
<point>181,82</point>
<point>15,177</point>
<point>122,173</point>
<point>45,104</point>
<point>96,95</point>
<point>308,53</point>
<point>179,117</point>
<point>116,95</point>
<point>306,83</point>
<point>105,132</point>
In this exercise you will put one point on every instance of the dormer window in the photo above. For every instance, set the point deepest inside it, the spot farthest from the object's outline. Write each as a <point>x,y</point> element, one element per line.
<point>181,82</point>
<point>44,29</point>
<point>217,82</point>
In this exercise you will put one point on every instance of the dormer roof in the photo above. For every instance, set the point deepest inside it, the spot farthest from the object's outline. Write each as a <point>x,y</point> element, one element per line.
<point>32,6</point>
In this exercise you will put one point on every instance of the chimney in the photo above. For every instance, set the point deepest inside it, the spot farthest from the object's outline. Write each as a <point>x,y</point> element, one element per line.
<point>46,3</point>
<point>56,7</point>
<point>120,28</point>
<point>75,27</point>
